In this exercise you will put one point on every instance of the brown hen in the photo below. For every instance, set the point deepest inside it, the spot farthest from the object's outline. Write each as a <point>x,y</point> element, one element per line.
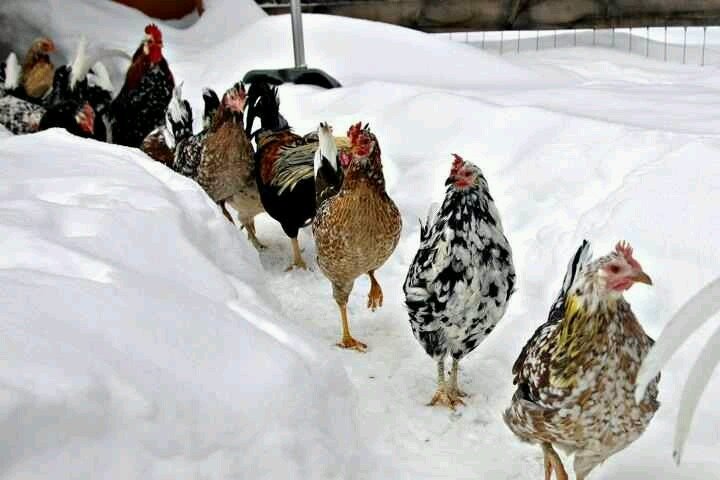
<point>357,230</point>
<point>37,69</point>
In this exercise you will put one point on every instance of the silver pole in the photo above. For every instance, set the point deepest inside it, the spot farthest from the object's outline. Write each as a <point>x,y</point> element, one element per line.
<point>684,42</point>
<point>518,42</point>
<point>647,41</point>
<point>502,36</point>
<point>613,37</point>
<point>466,37</point>
<point>482,43</point>
<point>297,31</point>
<point>665,57</point>
<point>593,36</point>
<point>702,61</point>
<point>537,39</point>
<point>630,44</point>
<point>554,38</point>
<point>574,37</point>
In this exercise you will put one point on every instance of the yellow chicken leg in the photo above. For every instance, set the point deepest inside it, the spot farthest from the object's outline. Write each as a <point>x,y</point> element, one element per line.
<point>454,388</point>
<point>298,261</point>
<point>347,340</point>
<point>444,395</point>
<point>553,463</point>
<point>375,297</point>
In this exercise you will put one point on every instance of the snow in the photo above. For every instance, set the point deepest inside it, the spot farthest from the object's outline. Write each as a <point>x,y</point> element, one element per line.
<point>144,337</point>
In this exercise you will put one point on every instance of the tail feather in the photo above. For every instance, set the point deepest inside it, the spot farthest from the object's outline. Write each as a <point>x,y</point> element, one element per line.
<point>12,72</point>
<point>429,219</point>
<point>100,77</point>
<point>81,63</point>
<point>575,266</point>
<point>326,148</point>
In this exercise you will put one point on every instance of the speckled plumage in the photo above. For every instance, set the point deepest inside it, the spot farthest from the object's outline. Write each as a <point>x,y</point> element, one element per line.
<point>221,160</point>
<point>461,279</point>
<point>20,116</point>
<point>576,374</point>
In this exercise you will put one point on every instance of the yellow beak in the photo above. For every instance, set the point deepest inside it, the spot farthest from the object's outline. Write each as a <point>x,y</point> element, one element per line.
<point>642,277</point>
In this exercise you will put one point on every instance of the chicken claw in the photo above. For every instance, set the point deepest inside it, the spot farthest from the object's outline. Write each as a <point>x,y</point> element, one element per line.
<point>446,398</point>
<point>352,344</point>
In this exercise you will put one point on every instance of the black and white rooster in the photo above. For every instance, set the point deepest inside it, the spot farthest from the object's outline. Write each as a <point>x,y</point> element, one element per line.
<point>462,277</point>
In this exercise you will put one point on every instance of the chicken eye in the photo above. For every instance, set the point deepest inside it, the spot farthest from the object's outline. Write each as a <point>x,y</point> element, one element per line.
<point>614,269</point>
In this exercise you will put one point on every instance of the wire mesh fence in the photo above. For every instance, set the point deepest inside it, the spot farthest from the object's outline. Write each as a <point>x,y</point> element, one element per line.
<point>689,45</point>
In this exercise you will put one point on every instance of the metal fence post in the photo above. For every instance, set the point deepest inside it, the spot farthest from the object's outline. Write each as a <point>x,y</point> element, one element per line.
<point>554,38</point>
<point>702,60</point>
<point>482,42</point>
<point>593,36</point>
<point>537,40</point>
<point>502,36</point>
<point>630,44</point>
<point>518,41</point>
<point>684,43</point>
<point>574,37</point>
<point>647,41</point>
<point>665,56</point>
<point>613,38</point>
<point>466,36</point>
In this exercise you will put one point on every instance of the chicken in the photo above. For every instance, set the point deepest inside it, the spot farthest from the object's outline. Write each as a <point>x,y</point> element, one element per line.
<point>285,174</point>
<point>212,102</point>
<point>160,143</point>
<point>575,376</point>
<point>221,160</point>
<point>458,286</point>
<point>80,83</point>
<point>77,118</point>
<point>143,100</point>
<point>37,69</point>
<point>357,230</point>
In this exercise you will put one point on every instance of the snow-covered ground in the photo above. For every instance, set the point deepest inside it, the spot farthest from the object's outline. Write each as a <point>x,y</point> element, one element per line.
<point>142,336</point>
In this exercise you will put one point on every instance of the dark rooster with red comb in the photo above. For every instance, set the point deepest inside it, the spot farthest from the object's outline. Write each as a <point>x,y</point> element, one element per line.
<point>143,100</point>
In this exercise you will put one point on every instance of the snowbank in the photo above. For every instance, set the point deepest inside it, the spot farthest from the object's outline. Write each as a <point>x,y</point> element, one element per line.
<point>138,334</point>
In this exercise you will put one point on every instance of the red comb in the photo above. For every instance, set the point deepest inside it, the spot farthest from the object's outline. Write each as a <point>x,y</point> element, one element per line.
<point>458,162</point>
<point>354,132</point>
<point>154,32</point>
<point>624,249</point>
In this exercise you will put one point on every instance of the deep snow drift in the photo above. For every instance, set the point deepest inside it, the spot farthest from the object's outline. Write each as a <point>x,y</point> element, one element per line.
<point>146,339</point>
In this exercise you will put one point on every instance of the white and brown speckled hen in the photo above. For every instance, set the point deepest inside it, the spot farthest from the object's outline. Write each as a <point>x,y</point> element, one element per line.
<point>575,377</point>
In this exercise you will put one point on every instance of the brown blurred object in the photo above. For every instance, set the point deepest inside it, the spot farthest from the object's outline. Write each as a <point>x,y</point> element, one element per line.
<point>165,9</point>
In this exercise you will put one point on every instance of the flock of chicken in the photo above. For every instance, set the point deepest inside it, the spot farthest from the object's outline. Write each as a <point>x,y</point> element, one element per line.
<point>575,376</point>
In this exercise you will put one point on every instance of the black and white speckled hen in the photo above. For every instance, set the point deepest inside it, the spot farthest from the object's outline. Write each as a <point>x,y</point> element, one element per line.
<point>576,375</point>
<point>143,100</point>
<point>462,277</point>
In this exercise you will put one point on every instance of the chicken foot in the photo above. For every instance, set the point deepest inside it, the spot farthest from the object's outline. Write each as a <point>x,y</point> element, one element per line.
<point>553,463</point>
<point>444,395</point>
<point>250,227</point>
<point>298,261</point>
<point>347,340</point>
<point>375,297</point>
